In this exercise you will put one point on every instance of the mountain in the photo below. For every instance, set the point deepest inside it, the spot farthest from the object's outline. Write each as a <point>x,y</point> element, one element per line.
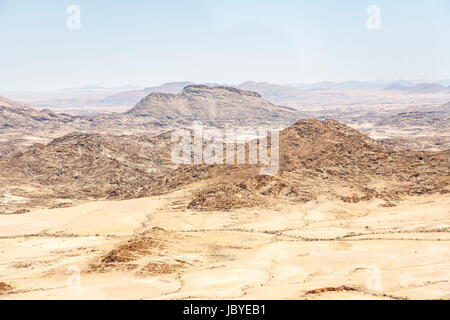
<point>292,97</point>
<point>86,88</point>
<point>405,83</point>
<point>94,88</point>
<point>274,93</point>
<point>433,119</point>
<point>396,86</point>
<point>420,88</point>
<point>132,97</point>
<point>428,88</point>
<point>215,106</point>
<point>444,82</point>
<point>367,85</point>
<point>169,87</point>
<point>277,94</point>
<point>345,85</point>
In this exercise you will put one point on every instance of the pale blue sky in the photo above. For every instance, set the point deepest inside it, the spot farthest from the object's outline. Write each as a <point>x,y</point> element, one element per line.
<point>148,42</point>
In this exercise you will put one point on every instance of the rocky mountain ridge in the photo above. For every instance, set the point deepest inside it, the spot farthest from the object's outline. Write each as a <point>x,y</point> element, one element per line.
<point>316,158</point>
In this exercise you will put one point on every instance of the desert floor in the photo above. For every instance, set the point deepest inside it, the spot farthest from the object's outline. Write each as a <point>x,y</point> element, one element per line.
<point>319,250</point>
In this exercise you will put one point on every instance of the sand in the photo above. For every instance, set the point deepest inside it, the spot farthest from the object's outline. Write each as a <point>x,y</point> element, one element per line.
<point>319,250</point>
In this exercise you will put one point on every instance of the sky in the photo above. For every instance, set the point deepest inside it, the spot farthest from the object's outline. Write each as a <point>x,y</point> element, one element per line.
<point>146,43</point>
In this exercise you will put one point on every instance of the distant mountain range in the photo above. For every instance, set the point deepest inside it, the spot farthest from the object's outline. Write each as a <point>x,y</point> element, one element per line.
<point>131,97</point>
<point>346,85</point>
<point>94,87</point>
<point>92,99</point>
<point>420,88</point>
<point>176,87</point>
<point>275,93</point>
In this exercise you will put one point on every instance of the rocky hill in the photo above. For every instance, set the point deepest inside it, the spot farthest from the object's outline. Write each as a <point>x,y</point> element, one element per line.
<point>23,117</point>
<point>26,120</point>
<point>434,119</point>
<point>82,166</point>
<point>334,151</point>
<point>422,130</point>
<point>315,158</point>
<point>8,103</point>
<point>21,126</point>
<point>325,158</point>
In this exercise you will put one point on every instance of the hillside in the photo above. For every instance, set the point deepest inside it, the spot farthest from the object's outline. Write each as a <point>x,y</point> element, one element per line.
<point>322,158</point>
<point>21,126</point>
<point>332,150</point>
<point>316,158</point>
<point>22,117</point>
<point>81,166</point>
<point>4,102</point>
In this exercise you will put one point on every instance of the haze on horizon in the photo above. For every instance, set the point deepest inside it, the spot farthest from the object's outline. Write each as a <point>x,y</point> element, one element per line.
<point>147,43</point>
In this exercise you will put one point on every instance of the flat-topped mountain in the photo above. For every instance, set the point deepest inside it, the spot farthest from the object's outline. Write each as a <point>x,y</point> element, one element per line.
<point>131,97</point>
<point>216,106</point>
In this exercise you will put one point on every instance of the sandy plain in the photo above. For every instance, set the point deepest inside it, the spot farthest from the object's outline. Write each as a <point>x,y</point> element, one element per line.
<point>319,250</point>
